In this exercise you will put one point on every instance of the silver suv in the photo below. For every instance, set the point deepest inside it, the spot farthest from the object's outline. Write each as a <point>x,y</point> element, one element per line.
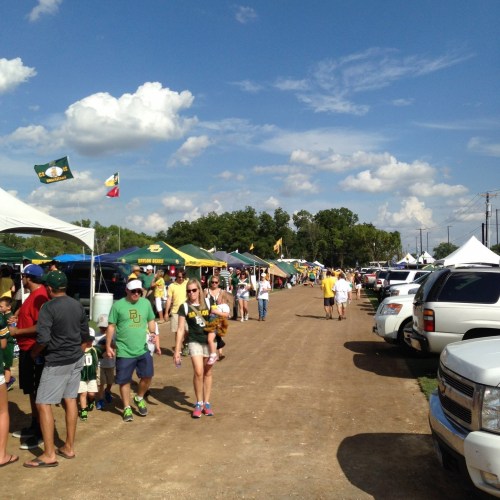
<point>455,304</point>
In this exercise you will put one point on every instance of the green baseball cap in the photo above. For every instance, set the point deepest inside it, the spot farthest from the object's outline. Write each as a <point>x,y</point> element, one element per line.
<point>55,279</point>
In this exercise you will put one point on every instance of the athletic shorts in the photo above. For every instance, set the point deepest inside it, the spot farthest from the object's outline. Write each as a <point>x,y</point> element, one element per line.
<point>29,373</point>
<point>197,349</point>
<point>358,286</point>
<point>174,322</point>
<point>89,386</point>
<point>143,366</point>
<point>8,355</point>
<point>328,301</point>
<point>59,382</point>
<point>106,376</point>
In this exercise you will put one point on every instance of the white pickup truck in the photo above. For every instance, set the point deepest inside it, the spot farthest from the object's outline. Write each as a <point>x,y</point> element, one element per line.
<point>464,412</point>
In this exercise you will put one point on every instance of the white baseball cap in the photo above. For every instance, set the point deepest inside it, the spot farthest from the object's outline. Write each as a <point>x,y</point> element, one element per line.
<point>102,321</point>
<point>134,285</point>
<point>149,267</point>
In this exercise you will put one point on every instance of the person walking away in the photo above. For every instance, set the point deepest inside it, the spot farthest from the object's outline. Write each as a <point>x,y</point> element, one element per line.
<point>106,376</point>
<point>176,295</point>
<point>62,326</point>
<point>30,367</point>
<point>342,291</point>
<point>327,285</point>
<point>235,278</point>
<point>130,319</point>
<point>158,284</point>
<point>195,314</point>
<point>264,287</point>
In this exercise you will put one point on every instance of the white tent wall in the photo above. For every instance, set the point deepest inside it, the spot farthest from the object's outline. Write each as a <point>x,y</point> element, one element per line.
<point>20,218</point>
<point>471,252</point>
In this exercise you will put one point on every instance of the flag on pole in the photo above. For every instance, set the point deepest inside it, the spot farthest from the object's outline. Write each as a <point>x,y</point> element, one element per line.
<point>54,171</point>
<point>278,245</point>
<point>251,247</point>
<point>113,193</point>
<point>113,180</point>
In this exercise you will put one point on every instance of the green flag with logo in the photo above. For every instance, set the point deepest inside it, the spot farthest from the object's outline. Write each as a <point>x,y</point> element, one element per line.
<point>54,171</point>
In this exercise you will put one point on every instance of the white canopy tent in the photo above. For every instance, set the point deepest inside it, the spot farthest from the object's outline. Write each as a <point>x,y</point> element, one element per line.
<point>471,252</point>
<point>407,259</point>
<point>21,218</point>
<point>426,258</point>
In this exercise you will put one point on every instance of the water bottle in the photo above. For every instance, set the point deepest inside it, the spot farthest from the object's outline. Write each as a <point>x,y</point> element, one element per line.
<point>178,363</point>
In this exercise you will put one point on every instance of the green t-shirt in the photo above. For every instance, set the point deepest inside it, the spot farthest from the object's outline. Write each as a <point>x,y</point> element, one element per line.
<point>131,322</point>
<point>147,280</point>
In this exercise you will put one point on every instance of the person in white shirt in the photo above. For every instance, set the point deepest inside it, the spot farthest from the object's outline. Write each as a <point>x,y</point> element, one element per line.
<point>264,287</point>
<point>342,291</point>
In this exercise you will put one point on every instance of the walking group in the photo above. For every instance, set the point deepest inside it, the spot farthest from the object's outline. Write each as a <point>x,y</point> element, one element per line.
<point>338,288</point>
<point>62,360</point>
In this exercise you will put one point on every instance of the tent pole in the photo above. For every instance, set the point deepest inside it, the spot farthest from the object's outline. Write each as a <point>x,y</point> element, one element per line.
<point>92,284</point>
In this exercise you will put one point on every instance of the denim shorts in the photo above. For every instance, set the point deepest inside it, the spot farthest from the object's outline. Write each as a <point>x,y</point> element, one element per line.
<point>143,366</point>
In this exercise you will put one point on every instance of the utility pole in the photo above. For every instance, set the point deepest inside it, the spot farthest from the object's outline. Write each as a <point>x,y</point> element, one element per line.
<point>448,227</point>
<point>421,246</point>
<point>488,217</point>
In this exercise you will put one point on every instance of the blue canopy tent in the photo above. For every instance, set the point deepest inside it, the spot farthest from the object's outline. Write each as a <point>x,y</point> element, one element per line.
<point>231,260</point>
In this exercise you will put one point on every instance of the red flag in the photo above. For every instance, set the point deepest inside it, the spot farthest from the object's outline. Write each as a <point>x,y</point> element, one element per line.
<point>114,193</point>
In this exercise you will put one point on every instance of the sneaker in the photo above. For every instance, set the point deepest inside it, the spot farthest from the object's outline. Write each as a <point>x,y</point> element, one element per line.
<point>197,411</point>
<point>212,359</point>
<point>246,317</point>
<point>242,319</point>
<point>100,405</point>
<point>24,433</point>
<point>142,407</point>
<point>10,385</point>
<point>83,414</point>
<point>127,414</point>
<point>108,396</point>
<point>207,410</point>
<point>91,406</point>
<point>31,443</point>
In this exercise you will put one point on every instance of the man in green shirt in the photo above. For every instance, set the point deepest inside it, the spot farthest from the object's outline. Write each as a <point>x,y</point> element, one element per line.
<point>131,319</point>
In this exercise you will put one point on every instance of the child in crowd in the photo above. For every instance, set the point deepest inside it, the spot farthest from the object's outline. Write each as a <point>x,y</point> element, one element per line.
<point>153,341</point>
<point>106,377</point>
<point>217,327</point>
<point>8,353</point>
<point>88,382</point>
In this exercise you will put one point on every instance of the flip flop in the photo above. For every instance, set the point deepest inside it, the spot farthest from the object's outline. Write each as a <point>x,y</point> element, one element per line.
<point>37,463</point>
<point>12,459</point>
<point>64,455</point>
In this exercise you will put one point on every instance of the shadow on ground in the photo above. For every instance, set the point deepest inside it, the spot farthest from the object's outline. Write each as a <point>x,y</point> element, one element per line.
<point>360,459</point>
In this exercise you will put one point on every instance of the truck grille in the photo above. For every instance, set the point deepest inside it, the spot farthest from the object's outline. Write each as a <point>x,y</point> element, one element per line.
<point>456,395</point>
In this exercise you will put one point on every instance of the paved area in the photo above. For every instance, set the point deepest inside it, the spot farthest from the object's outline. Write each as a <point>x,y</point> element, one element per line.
<point>304,408</point>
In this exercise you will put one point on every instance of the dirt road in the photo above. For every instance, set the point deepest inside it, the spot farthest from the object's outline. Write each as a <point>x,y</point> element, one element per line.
<point>304,408</point>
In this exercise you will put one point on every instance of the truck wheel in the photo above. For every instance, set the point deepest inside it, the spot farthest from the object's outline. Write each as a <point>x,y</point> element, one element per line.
<point>401,336</point>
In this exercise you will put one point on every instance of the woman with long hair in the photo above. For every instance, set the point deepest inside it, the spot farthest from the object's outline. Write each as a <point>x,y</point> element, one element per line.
<point>195,314</point>
<point>243,294</point>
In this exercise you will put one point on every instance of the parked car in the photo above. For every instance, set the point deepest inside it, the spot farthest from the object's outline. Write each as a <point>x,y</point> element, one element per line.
<point>379,279</point>
<point>463,413</point>
<point>110,277</point>
<point>407,288</point>
<point>393,315</point>
<point>455,304</point>
<point>369,277</point>
<point>399,277</point>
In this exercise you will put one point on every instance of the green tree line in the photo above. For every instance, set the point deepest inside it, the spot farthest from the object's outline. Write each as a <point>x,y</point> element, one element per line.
<point>334,236</point>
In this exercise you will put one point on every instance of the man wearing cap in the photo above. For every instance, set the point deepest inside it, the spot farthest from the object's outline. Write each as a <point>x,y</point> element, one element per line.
<point>130,320</point>
<point>61,329</point>
<point>225,283</point>
<point>30,369</point>
<point>147,280</point>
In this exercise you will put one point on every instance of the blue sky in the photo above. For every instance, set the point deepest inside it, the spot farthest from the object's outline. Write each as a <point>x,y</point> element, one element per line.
<point>389,109</point>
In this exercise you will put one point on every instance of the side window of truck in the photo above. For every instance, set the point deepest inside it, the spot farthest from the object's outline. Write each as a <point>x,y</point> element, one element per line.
<point>476,288</point>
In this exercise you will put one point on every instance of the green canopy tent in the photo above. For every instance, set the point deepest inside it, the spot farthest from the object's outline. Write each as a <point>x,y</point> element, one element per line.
<point>159,254</point>
<point>207,258</point>
<point>17,256</point>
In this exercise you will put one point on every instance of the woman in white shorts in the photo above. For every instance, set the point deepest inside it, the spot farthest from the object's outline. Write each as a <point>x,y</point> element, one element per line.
<point>195,312</point>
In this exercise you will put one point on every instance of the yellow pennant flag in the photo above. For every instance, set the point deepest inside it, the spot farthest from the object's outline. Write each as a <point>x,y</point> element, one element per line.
<point>112,180</point>
<point>251,247</point>
<point>278,245</point>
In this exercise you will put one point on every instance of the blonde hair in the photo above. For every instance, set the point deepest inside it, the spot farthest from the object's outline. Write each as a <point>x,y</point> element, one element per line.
<point>194,281</point>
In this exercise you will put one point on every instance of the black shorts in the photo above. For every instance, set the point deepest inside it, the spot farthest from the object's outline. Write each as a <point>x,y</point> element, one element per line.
<point>29,373</point>
<point>328,301</point>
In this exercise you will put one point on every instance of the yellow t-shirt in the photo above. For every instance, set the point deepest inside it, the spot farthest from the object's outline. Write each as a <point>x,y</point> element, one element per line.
<point>179,295</point>
<point>327,287</point>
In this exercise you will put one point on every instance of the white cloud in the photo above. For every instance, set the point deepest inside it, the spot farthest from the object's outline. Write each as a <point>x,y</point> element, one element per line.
<point>177,203</point>
<point>291,84</point>
<point>248,86</point>
<point>481,146</point>
<point>298,184</point>
<point>429,189</point>
<point>13,72</point>
<point>44,7</point>
<point>228,175</point>
<point>413,213</point>
<point>389,177</point>
<point>245,15</point>
<point>192,147</point>
<point>271,203</point>
<point>150,224</point>
<point>101,123</point>
<point>402,102</point>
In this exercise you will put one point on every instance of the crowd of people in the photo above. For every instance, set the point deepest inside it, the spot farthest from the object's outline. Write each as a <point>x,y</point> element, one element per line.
<point>62,359</point>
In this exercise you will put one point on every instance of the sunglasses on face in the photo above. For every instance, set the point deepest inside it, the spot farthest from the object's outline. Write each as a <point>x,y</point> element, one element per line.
<point>137,290</point>
<point>192,290</point>
<point>214,282</point>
